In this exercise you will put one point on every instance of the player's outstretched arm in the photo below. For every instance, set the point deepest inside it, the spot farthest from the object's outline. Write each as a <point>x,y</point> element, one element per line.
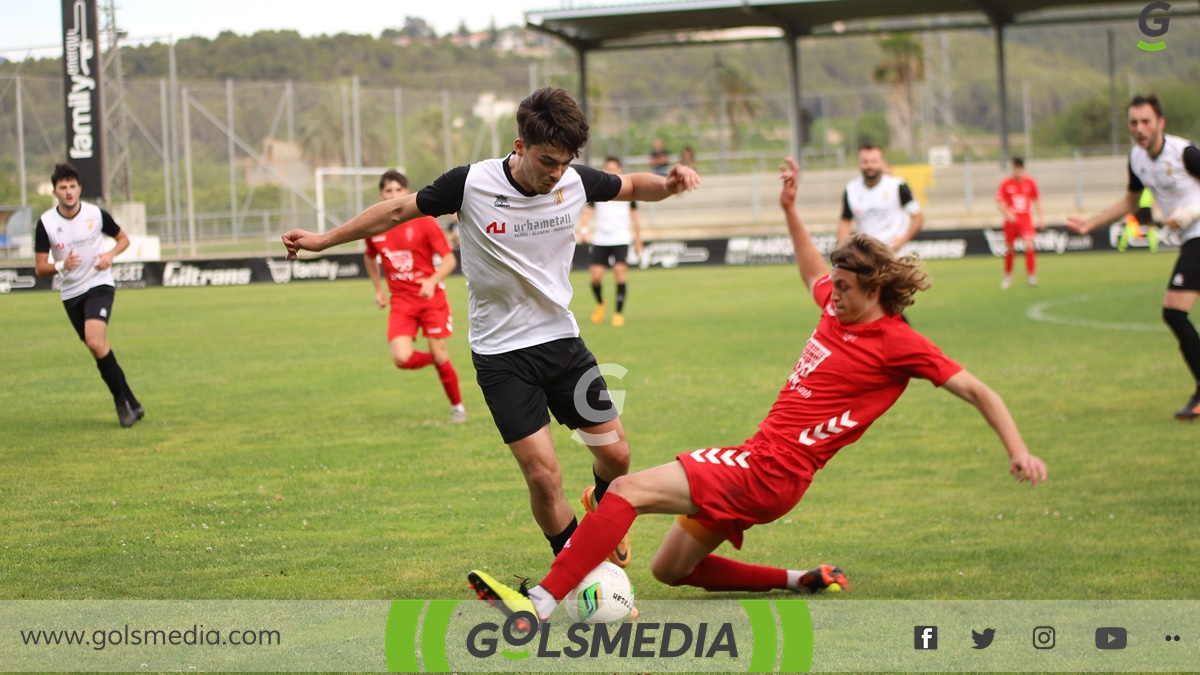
<point>808,258</point>
<point>1121,208</point>
<point>1022,465</point>
<point>377,219</point>
<point>649,187</point>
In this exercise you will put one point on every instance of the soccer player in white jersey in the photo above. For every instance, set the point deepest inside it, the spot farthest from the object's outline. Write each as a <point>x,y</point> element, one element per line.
<point>611,228</point>
<point>73,233</point>
<point>517,220</point>
<point>882,204</point>
<point>1170,167</point>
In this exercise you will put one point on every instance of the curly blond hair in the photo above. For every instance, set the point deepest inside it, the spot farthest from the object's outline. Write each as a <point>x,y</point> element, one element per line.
<point>878,267</point>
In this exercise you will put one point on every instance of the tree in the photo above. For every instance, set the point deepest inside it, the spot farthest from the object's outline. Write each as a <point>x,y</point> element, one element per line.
<point>738,98</point>
<point>903,63</point>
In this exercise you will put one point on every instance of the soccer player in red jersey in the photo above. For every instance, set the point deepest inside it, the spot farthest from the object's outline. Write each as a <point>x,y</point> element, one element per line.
<point>1016,197</point>
<point>418,299</point>
<point>854,367</point>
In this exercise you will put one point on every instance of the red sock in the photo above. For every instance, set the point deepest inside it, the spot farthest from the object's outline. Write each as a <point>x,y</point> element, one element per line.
<point>715,573</point>
<point>594,539</point>
<point>1030,260</point>
<point>417,360</point>
<point>1008,262</point>
<point>450,382</point>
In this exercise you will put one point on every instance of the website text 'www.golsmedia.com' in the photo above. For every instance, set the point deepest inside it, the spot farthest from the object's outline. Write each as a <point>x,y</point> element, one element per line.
<point>196,635</point>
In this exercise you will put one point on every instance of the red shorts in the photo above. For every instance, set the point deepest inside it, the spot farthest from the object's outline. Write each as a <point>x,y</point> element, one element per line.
<point>738,487</point>
<point>1022,229</point>
<point>430,315</point>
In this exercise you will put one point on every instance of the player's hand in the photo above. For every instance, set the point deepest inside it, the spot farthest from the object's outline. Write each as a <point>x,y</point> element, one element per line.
<point>1182,217</point>
<point>300,240</point>
<point>1077,224</point>
<point>682,179</point>
<point>74,260</point>
<point>1028,467</point>
<point>638,248</point>
<point>103,261</point>
<point>788,171</point>
<point>427,288</point>
<point>381,299</point>
<point>898,243</point>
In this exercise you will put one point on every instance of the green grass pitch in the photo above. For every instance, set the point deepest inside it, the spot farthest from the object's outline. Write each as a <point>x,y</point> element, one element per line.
<point>284,457</point>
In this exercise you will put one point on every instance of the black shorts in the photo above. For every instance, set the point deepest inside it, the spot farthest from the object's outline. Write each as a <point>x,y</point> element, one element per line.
<point>561,375</point>
<point>1186,275</point>
<point>96,303</point>
<point>600,255</point>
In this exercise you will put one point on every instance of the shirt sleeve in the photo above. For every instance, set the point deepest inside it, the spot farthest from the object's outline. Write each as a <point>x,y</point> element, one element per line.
<point>911,206</point>
<point>108,225</point>
<point>437,240</point>
<point>1000,194</point>
<point>847,214</point>
<point>1033,189</point>
<point>371,250</point>
<point>598,185</point>
<point>41,239</point>
<point>445,195</point>
<point>822,291</point>
<point>913,355</point>
<point>1135,183</point>
<point>1191,160</point>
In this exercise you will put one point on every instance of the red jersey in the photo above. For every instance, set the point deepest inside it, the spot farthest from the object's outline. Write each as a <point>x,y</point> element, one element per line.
<point>407,252</point>
<point>846,378</point>
<point>1018,196</point>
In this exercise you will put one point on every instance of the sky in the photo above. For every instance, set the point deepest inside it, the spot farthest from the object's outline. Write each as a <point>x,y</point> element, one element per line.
<point>38,23</point>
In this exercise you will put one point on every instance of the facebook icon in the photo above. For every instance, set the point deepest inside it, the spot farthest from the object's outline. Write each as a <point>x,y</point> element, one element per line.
<point>925,637</point>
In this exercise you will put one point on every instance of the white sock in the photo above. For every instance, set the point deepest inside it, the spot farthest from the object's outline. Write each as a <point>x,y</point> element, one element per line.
<point>793,580</point>
<point>459,408</point>
<point>543,602</point>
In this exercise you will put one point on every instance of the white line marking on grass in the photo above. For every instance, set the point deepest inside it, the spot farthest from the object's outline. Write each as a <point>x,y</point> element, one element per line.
<point>1039,312</point>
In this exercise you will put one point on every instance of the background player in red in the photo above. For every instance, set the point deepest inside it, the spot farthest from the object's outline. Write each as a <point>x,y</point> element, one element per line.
<point>1016,197</point>
<point>417,296</point>
<point>854,367</point>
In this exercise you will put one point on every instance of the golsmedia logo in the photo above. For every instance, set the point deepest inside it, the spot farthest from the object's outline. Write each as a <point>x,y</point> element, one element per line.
<point>448,635</point>
<point>1159,27</point>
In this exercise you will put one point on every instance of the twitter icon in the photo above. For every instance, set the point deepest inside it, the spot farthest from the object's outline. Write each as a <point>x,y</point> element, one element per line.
<point>984,639</point>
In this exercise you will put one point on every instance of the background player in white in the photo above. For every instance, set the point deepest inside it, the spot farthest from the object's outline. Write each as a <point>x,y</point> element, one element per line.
<point>73,232</point>
<point>1170,167</point>
<point>610,228</point>
<point>882,204</point>
<point>517,221</point>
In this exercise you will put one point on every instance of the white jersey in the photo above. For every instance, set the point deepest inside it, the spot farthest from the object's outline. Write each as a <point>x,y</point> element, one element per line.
<point>883,210</point>
<point>613,223</point>
<point>517,249</point>
<point>1172,180</point>
<point>83,235</point>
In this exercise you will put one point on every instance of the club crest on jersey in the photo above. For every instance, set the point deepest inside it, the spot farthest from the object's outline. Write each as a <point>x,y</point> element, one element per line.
<point>501,202</point>
<point>91,225</point>
<point>814,354</point>
<point>558,196</point>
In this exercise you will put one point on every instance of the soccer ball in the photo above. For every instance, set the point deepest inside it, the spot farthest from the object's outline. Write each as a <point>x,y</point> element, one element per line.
<point>604,596</point>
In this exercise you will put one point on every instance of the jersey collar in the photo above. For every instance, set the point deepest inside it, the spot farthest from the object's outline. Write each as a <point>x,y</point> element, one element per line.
<point>513,181</point>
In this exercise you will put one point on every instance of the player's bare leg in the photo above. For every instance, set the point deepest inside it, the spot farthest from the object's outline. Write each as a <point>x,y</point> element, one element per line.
<point>95,336</point>
<point>611,451</point>
<point>404,356</point>
<point>619,272</point>
<point>1030,261</point>
<point>1176,306</point>
<point>539,465</point>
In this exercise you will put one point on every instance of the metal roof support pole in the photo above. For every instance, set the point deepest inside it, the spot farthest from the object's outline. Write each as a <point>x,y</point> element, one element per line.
<point>792,39</point>
<point>581,59</point>
<point>998,24</point>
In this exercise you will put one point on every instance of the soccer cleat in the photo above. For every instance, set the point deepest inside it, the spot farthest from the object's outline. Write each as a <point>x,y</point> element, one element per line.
<point>126,414</point>
<point>458,415</point>
<point>500,596</point>
<point>598,313</point>
<point>1190,411</point>
<point>1006,283</point>
<point>618,319</point>
<point>1033,281</point>
<point>822,577</point>
<point>622,554</point>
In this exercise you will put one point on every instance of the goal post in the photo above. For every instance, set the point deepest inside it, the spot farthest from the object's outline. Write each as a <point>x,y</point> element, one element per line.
<point>321,173</point>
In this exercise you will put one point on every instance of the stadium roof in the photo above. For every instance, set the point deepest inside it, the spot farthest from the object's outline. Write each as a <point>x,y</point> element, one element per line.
<point>674,22</point>
<point>677,23</point>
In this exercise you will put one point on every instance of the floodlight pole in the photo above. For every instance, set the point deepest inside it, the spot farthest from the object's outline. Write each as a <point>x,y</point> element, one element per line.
<point>998,23</point>
<point>792,39</point>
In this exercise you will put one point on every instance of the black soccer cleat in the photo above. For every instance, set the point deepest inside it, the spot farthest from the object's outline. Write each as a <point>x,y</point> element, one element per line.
<point>127,415</point>
<point>1190,411</point>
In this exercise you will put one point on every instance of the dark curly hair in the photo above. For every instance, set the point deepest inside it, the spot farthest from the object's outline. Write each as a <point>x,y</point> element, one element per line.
<point>549,116</point>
